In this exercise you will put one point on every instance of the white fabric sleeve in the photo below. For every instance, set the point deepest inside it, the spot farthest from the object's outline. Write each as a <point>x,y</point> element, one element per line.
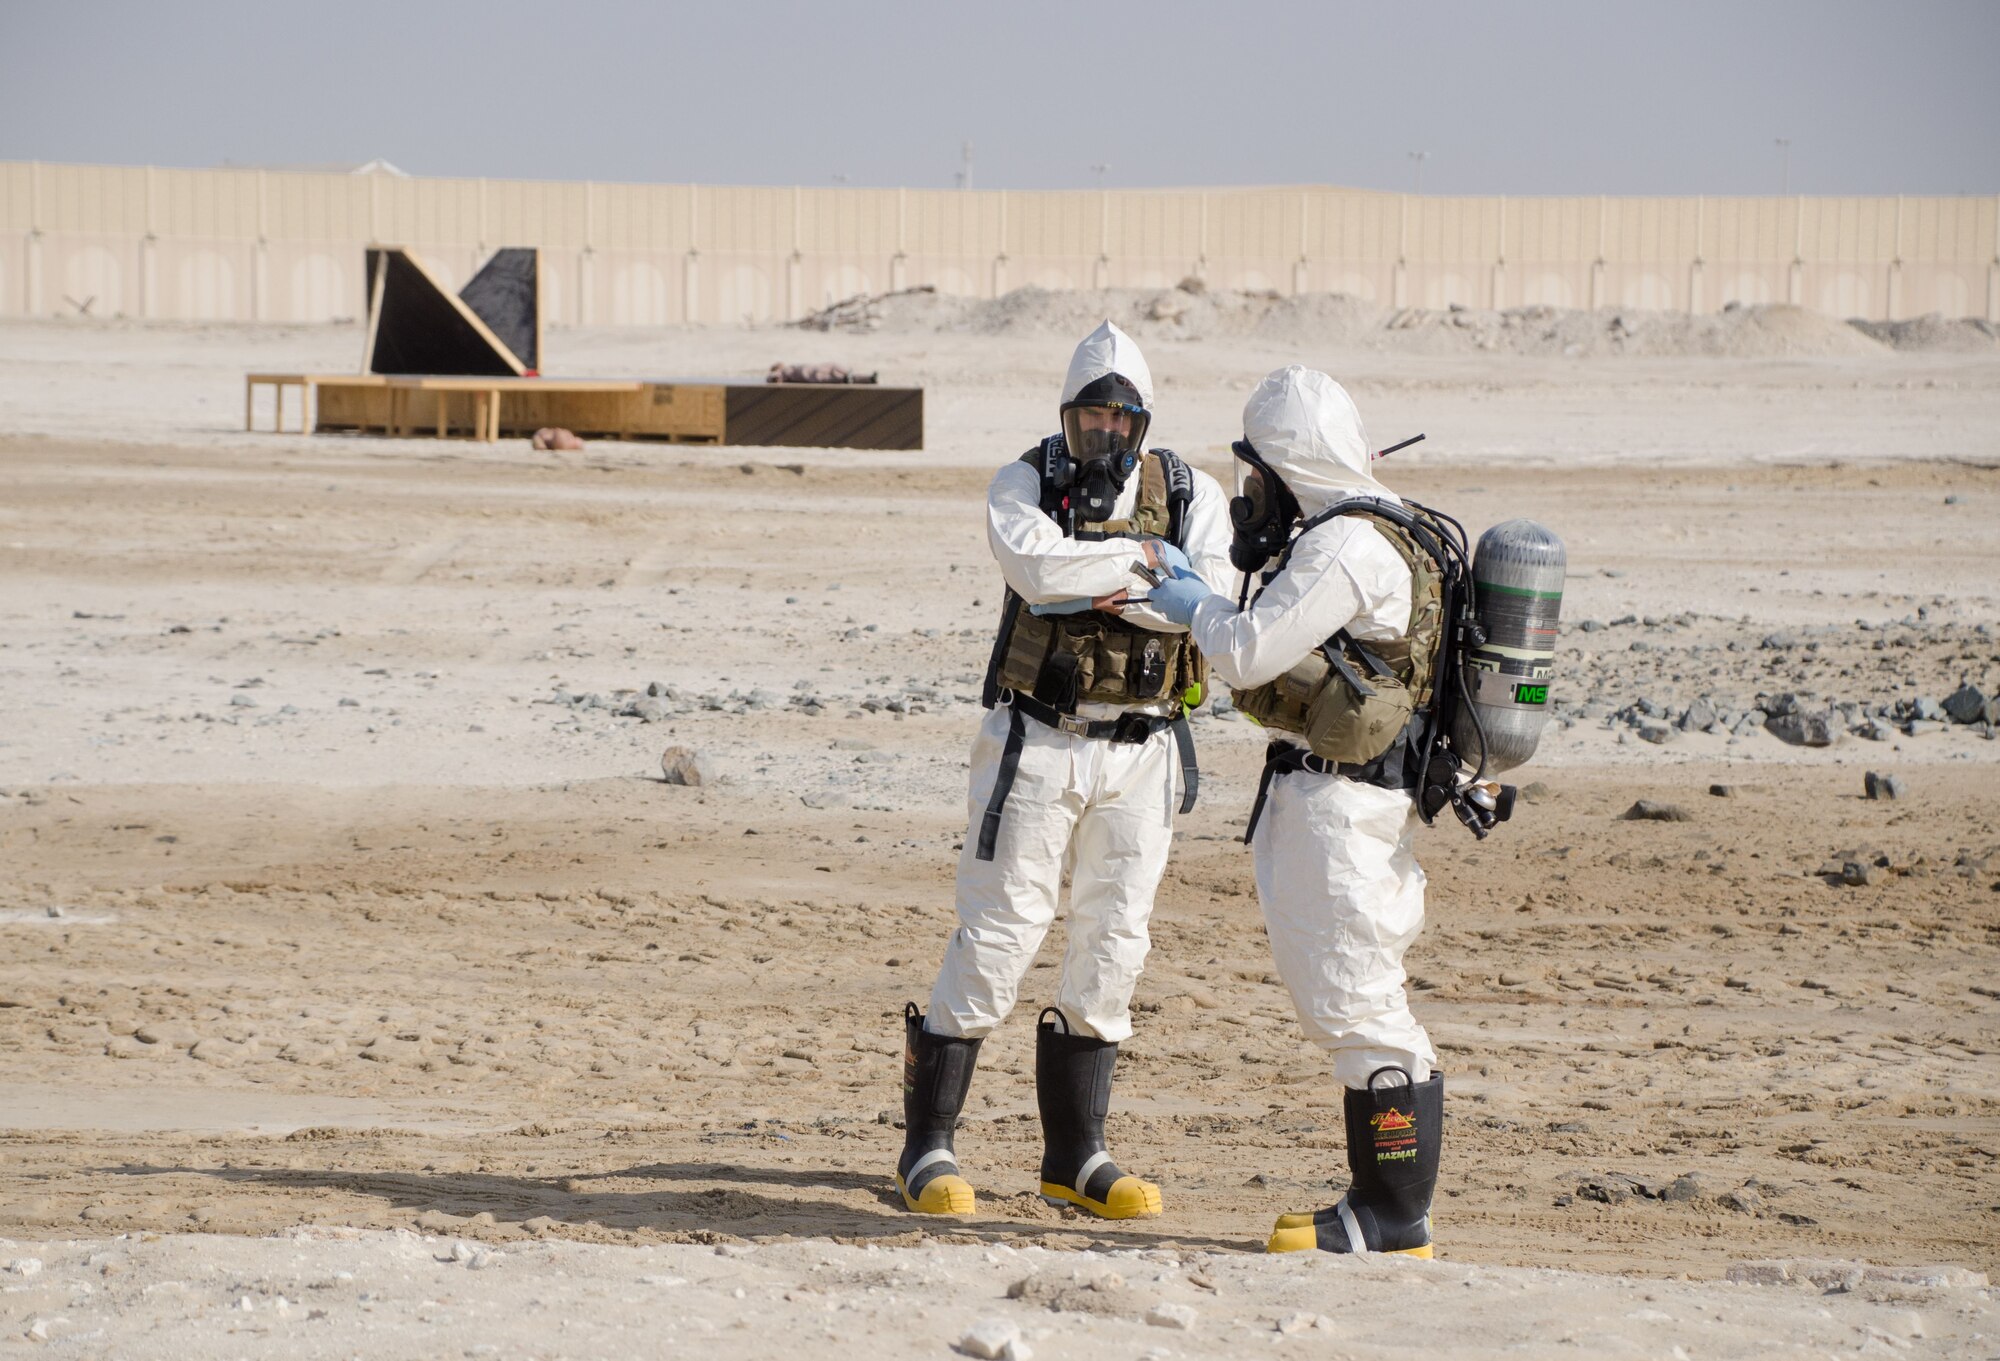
<point>1334,573</point>
<point>1040,563</point>
<point>1205,539</point>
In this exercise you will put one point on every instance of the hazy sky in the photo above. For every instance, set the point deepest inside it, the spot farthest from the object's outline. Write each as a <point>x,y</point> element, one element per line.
<point>1505,96</point>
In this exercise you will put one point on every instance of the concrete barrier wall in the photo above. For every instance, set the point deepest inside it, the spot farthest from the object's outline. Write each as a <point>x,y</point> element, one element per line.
<point>279,246</point>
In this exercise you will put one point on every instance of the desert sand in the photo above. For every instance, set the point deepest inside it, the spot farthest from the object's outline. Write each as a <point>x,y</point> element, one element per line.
<point>346,925</point>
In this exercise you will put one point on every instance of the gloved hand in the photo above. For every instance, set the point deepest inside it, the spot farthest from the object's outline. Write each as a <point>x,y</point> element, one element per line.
<point>1177,598</point>
<point>1171,558</point>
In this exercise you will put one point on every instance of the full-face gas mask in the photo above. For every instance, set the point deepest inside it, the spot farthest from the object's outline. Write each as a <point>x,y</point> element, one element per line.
<point>1104,430</point>
<point>1262,516</point>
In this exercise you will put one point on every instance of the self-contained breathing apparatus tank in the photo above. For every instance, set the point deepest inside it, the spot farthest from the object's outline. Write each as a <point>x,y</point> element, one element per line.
<point>1517,576</point>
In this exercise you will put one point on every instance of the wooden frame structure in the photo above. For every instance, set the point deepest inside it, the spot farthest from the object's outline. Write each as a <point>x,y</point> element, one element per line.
<point>454,366</point>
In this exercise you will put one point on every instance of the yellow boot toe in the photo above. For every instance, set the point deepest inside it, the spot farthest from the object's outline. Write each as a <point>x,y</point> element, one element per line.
<point>1129,1198</point>
<point>942,1195</point>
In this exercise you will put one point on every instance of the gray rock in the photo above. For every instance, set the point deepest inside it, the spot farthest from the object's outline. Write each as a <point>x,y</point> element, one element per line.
<point>242,701</point>
<point>1969,704</point>
<point>1856,873</point>
<point>650,709</point>
<point>1875,730</point>
<point>1652,708</point>
<point>1645,810</point>
<point>1778,642</point>
<point>1743,1200</point>
<point>1700,717</point>
<point>1591,625</point>
<point>1683,1189</point>
<point>1883,786</point>
<point>1723,791</point>
<point>1777,706</point>
<point>1165,1315</point>
<point>1659,734</point>
<point>685,766</point>
<point>1919,727</point>
<point>1926,710</point>
<point>989,1338</point>
<point>1805,729</point>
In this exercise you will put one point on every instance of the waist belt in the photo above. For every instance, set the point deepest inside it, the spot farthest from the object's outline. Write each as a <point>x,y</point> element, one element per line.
<point>1132,729</point>
<point>1282,758</point>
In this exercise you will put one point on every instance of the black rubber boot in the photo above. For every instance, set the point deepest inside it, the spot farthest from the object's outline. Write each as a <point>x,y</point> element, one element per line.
<point>1073,1087</point>
<point>937,1073</point>
<point>1393,1139</point>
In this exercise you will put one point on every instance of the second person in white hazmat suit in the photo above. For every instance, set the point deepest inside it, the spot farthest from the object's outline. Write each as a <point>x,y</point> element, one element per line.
<point>1079,766</point>
<point>1342,893</point>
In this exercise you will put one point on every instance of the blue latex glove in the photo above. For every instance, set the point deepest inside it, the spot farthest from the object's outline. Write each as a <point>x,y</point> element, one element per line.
<point>1176,599</point>
<point>1176,562</point>
<point>1076,606</point>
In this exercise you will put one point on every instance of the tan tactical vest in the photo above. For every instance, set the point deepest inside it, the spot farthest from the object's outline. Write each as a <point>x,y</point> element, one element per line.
<point>1350,700</point>
<point>1095,657</point>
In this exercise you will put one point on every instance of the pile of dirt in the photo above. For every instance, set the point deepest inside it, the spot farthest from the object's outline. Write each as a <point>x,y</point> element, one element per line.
<point>1934,333</point>
<point>1759,332</point>
<point>1192,312</point>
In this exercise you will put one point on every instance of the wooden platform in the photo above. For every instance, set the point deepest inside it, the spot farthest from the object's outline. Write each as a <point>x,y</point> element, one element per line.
<point>699,411</point>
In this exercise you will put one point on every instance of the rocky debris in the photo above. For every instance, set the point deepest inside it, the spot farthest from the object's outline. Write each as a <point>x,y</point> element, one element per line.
<point>1741,1199</point>
<point>685,766</point>
<point>1168,1315</point>
<point>1659,734</point>
<point>1879,786</point>
<point>1843,1276</point>
<point>1856,873</point>
<point>994,1338</point>
<point>1804,729</point>
<point>1616,1188</point>
<point>1970,704</point>
<point>1933,332</point>
<point>1722,791</point>
<point>1291,1325</point>
<point>1081,1290</point>
<point>1646,810</point>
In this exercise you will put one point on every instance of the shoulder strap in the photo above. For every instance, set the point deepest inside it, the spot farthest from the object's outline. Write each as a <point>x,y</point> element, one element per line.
<point>1052,497</point>
<point>1180,491</point>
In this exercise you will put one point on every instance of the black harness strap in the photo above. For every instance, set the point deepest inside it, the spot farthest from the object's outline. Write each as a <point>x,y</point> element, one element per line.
<point>1128,728</point>
<point>1390,770</point>
<point>1190,772</point>
<point>1003,784</point>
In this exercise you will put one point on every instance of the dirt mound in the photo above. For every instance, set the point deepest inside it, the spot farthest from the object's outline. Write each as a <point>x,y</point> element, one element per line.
<point>1188,312</point>
<point>1192,312</point>
<point>1934,333</point>
<point>1772,331</point>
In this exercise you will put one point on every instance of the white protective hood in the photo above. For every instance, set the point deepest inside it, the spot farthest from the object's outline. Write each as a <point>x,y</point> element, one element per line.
<point>1304,425</point>
<point>1108,350</point>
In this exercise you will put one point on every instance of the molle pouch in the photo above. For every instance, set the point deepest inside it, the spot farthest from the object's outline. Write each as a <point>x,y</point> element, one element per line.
<point>1343,725</point>
<point>1061,681</point>
<point>1027,643</point>
<point>1112,652</point>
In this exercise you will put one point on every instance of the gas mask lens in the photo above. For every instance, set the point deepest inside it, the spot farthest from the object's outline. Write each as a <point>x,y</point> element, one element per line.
<point>1103,431</point>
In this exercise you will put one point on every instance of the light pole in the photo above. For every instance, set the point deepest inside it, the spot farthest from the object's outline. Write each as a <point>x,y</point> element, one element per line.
<point>1099,170</point>
<point>1420,157</point>
<point>1785,163</point>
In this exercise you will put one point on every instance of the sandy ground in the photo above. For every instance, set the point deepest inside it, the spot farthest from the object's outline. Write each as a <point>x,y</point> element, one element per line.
<point>335,892</point>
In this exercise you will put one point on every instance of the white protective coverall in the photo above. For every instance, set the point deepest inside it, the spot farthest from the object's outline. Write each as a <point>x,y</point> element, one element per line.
<point>1104,810</point>
<point>1343,895</point>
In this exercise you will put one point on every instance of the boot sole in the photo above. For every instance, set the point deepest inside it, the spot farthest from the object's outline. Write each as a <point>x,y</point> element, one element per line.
<point>1130,1198</point>
<point>945,1195</point>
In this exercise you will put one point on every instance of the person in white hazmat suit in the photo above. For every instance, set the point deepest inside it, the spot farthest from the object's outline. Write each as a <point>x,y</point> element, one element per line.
<point>1080,765</point>
<point>1342,893</point>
